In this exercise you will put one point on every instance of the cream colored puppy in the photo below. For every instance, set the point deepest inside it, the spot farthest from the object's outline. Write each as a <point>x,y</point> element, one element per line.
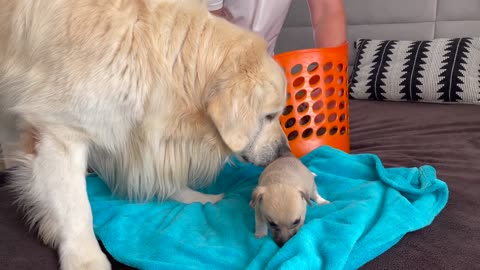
<point>155,95</point>
<point>280,200</point>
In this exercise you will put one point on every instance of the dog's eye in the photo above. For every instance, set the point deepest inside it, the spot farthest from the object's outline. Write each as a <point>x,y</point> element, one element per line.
<point>273,225</point>
<point>271,117</point>
<point>296,222</point>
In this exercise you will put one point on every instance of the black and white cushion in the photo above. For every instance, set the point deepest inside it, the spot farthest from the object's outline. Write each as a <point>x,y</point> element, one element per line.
<point>436,71</point>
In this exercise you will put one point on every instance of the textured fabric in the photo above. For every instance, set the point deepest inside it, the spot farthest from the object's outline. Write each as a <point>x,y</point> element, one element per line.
<point>401,134</point>
<point>371,209</point>
<point>215,4</point>
<point>448,137</point>
<point>439,70</point>
<point>361,12</point>
<point>459,10</point>
<point>265,17</point>
<point>387,20</point>
<point>456,29</point>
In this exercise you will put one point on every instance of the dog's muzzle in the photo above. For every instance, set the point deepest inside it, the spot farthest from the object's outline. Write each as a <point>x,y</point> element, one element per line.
<point>281,238</point>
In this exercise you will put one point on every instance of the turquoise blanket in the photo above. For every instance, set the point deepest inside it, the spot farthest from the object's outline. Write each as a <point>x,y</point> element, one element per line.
<point>371,209</point>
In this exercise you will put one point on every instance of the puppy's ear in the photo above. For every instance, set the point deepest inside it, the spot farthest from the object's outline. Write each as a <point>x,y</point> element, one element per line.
<point>234,113</point>
<point>257,196</point>
<point>306,197</point>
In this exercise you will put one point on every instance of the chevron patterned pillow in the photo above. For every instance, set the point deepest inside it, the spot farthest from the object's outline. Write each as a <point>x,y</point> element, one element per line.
<point>432,71</point>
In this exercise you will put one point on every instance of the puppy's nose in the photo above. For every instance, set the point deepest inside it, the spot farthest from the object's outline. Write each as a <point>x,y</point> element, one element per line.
<point>280,243</point>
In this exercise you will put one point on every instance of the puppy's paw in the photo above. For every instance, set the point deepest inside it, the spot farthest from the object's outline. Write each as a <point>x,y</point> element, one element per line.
<point>322,201</point>
<point>88,257</point>
<point>259,235</point>
<point>319,200</point>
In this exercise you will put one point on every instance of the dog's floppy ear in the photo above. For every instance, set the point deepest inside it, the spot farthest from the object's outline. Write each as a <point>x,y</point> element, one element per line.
<point>234,113</point>
<point>306,197</point>
<point>257,196</point>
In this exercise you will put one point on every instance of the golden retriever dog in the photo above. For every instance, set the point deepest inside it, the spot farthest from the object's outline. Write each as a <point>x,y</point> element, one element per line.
<point>154,95</point>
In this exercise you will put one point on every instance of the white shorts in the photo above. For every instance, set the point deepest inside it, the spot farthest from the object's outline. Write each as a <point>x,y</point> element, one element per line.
<point>265,17</point>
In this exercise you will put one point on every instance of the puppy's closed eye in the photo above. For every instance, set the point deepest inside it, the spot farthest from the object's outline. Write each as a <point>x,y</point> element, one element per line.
<point>296,222</point>
<point>273,225</point>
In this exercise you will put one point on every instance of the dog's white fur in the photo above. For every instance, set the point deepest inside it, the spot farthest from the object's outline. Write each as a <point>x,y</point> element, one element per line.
<point>152,94</point>
<point>280,200</point>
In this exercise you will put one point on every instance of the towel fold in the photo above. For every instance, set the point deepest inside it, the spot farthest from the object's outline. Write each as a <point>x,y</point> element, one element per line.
<point>371,209</point>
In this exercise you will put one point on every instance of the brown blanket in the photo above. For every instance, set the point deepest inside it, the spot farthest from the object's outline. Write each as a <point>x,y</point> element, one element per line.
<point>401,134</point>
<point>448,138</point>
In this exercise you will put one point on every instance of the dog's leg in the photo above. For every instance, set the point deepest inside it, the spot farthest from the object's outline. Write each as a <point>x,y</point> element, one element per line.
<point>315,196</point>
<point>51,187</point>
<point>188,195</point>
<point>318,199</point>
<point>261,228</point>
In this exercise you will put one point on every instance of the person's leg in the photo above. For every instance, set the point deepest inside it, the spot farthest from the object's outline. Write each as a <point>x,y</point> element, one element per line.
<point>329,22</point>
<point>265,17</point>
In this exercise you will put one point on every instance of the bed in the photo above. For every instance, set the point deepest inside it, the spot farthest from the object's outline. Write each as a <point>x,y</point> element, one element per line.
<point>446,136</point>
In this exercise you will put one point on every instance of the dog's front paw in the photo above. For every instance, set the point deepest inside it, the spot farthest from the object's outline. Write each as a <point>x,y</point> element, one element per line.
<point>84,258</point>
<point>322,201</point>
<point>78,262</point>
<point>319,200</point>
<point>214,198</point>
<point>188,196</point>
<point>260,234</point>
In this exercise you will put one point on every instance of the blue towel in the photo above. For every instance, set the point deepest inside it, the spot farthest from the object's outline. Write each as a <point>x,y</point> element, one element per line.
<point>371,209</point>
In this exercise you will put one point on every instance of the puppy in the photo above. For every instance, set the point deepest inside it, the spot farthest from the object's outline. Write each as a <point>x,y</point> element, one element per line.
<point>280,200</point>
<point>154,95</point>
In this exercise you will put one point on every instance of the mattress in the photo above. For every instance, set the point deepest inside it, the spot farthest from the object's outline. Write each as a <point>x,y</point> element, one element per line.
<point>448,138</point>
<point>401,134</point>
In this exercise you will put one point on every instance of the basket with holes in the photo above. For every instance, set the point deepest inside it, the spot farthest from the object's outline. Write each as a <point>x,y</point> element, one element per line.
<point>316,112</point>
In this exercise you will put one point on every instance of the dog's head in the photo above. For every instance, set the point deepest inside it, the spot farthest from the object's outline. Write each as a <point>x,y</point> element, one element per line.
<point>283,207</point>
<point>248,98</point>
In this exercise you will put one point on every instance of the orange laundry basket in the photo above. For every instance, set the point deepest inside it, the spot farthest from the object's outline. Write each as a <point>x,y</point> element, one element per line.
<point>317,107</point>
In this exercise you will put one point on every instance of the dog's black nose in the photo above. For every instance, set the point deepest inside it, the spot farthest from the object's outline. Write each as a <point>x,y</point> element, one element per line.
<point>284,150</point>
<point>279,243</point>
<point>245,158</point>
